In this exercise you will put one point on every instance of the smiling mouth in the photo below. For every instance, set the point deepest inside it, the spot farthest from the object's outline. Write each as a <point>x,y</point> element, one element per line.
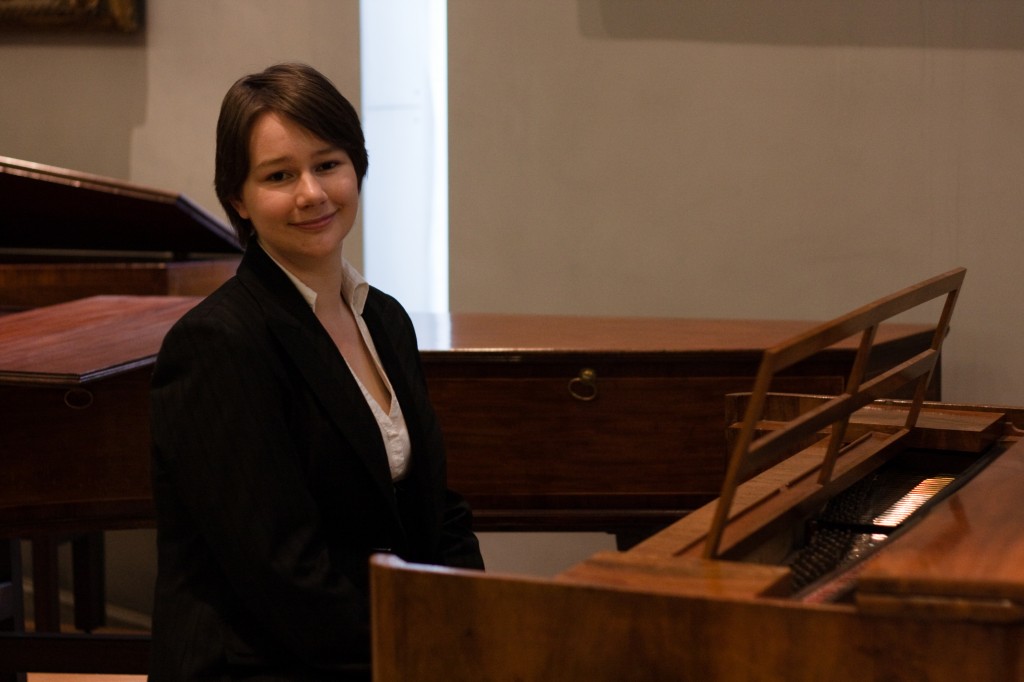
<point>315,222</point>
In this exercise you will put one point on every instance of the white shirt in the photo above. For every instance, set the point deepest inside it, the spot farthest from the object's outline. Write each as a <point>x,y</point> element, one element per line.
<point>393,430</point>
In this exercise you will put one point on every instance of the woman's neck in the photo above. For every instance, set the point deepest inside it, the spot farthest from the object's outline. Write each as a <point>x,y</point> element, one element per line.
<point>327,286</point>
<point>323,275</point>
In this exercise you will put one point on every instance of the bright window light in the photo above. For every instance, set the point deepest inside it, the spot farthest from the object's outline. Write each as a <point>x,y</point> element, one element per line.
<point>405,117</point>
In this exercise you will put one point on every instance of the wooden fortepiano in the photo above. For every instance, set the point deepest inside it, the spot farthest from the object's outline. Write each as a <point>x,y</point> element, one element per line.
<point>855,537</point>
<point>74,451</point>
<point>608,424</point>
<point>65,235</point>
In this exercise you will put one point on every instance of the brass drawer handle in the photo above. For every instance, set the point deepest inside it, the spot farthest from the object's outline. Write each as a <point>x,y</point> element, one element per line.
<point>78,399</point>
<point>584,387</point>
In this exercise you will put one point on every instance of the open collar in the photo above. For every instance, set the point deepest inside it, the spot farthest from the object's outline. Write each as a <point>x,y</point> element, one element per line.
<point>354,287</point>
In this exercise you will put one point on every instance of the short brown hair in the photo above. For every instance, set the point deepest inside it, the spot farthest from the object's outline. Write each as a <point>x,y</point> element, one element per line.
<point>297,91</point>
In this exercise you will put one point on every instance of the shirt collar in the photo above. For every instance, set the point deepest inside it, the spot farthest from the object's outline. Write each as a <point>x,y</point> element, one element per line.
<point>354,288</point>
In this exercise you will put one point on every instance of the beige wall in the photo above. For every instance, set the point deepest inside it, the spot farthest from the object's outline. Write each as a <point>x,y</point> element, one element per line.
<point>733,158</point>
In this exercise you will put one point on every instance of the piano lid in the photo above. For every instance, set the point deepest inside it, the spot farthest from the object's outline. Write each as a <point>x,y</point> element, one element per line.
<point>51,213</point>
<point>78,342</point>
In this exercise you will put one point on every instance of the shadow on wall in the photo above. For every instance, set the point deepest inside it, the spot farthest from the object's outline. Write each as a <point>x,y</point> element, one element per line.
<point>968,24</point>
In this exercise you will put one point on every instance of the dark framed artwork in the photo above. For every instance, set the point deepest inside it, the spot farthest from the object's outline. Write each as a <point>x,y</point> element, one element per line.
<point>124,16</point>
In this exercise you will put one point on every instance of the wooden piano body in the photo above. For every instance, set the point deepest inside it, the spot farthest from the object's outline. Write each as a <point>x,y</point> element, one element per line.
<point>608,424</point>
<point>74,380</point>
<point>929,585</point>
<point>65,235</point>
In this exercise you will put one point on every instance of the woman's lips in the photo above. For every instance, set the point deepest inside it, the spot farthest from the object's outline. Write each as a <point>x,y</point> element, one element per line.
<point>315,223</point>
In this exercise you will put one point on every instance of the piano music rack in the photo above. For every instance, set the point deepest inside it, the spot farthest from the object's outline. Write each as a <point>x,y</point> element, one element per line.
<point>752,453</point>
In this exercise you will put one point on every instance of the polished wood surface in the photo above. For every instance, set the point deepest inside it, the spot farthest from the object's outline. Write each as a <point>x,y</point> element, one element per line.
<point>967,428</point>
<point>716,596</point>
<point>466,334</point>
<point>654,616</point>
<point>603,423</point>
<point>752,454</point>
<point>966,558</point>
<point>950,613</point>
<point>81,342</point>
<point>74,381</point>
<point>32,285</point>
<point>69,235</point>
<point>441,625</point>
<point>64,215</point>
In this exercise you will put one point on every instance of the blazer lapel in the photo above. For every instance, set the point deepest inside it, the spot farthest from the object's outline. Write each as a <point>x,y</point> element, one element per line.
<point>420,478</point>
<point>309,347</point>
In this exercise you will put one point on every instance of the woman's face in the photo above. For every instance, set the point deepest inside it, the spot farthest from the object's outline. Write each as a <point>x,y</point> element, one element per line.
<point>301,194</point>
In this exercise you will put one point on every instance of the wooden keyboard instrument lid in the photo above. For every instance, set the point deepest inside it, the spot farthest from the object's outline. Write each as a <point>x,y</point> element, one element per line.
<point>85,340</point>
<point>965,557</point>
<point>478,333</point>
<point>58,213</point>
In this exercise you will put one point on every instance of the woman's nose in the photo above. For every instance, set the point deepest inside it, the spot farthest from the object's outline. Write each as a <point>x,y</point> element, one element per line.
<point>310,191</point>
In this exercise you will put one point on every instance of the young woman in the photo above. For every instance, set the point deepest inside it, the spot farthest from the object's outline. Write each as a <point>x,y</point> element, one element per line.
<point>292,432</point>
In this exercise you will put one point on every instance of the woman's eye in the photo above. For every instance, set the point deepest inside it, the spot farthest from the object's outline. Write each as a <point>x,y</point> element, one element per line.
<point>329,165</point>
<point>276,177</point>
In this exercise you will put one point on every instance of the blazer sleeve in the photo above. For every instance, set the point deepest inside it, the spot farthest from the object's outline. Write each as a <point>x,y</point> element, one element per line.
<point>227,479</point>
<point>459,545</point>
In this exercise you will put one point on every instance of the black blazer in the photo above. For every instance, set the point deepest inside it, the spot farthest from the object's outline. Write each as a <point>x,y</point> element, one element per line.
<point>273,489</point>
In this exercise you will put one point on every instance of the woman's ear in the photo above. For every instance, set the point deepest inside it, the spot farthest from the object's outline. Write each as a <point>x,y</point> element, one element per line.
<point>236,203</point>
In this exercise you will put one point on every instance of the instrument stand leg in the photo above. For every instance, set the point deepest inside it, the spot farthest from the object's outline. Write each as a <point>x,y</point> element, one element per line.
<point>88,557</point>
<point>12,612</point>
<point>45,584</point>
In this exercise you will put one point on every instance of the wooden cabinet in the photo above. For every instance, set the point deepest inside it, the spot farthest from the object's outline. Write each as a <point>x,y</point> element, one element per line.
<point>617,424</point>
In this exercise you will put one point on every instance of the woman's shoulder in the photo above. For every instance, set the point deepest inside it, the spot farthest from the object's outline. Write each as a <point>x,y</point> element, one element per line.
<point>384,312</point>
<point>385,305</point>
<point>228,311</point>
